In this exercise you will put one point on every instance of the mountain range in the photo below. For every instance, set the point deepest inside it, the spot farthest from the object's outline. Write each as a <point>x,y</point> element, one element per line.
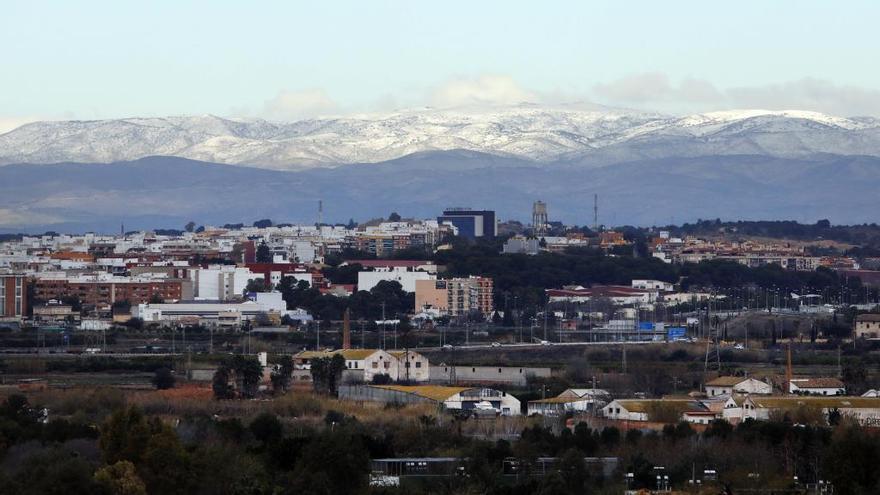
<point>582,133</point>
<point>647,168</point>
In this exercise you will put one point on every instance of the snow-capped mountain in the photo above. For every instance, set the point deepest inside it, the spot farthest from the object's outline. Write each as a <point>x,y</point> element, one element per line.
<point>582,133</point>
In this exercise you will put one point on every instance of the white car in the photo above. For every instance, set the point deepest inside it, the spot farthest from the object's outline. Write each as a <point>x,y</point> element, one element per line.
<point>739,347</point>
<point>496,344</point>
<point>545,342</point>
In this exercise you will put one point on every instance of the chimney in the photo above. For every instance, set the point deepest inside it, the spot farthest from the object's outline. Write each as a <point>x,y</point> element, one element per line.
<point>346,330</point>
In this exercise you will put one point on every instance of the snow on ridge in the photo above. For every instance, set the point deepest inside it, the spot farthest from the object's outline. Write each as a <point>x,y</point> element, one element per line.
<point>527,130</point>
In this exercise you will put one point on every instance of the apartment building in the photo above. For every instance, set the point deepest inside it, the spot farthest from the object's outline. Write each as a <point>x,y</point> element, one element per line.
<point>103,289</point>
<point>455,296</point>
<point>13,296</point>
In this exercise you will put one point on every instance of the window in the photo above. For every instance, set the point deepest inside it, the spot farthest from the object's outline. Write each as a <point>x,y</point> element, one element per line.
<point>375,365</point>
<point>418,364</point>
<point>387,364</point>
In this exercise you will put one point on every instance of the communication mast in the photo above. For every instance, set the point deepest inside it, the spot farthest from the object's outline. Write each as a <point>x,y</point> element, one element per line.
<point>539,217</point>
<point>320,212</point>
<point>595,212</point>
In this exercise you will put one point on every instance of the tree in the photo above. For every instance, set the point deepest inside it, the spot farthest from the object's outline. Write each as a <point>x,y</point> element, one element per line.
<point>326,372</point>
<point>507,320</point>
<point>124,436</point>
<point>190,226</point>
<point>121,478</point>
<point>262,224</point>
<point>247,373</point>
<point>281,377</point>
<point>163,379</point>
<point>394,217</point>
<point>496,318</point>
<point>256,285</point>
<point>220,383</point>
<point>264,254</point>
<point>266,428</point>
<point>333,462</point>
<point>166,466</point>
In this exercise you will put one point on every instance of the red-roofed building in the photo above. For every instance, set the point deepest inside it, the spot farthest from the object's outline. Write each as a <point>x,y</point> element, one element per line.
<point>620,294</point>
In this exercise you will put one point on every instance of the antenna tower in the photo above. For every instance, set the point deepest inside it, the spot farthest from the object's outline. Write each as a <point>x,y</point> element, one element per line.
<point>595,212</point>
<point>320,211</point>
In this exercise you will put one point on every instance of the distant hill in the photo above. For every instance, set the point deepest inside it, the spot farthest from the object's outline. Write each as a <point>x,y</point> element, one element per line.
<point>166,192</point>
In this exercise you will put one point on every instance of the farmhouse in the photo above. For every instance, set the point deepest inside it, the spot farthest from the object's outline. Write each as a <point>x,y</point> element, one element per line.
<point>816,386</point>
<point>727,385</point>
<point>454,398</point>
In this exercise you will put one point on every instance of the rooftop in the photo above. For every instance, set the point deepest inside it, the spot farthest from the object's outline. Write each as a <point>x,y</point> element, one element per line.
<point>726,381</point>
<point>352,354</point>
<point>434,392</point>
<point>817,383</point>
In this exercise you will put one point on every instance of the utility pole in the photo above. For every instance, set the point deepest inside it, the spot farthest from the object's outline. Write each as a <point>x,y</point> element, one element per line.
<point>546,306</point>
<point>383,325</point>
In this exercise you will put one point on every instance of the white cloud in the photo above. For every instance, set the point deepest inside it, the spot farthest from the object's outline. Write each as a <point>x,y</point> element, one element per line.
<point>655,90</point>
<point>292,105</point>
<point>483,90</point>
<point>810,94</point>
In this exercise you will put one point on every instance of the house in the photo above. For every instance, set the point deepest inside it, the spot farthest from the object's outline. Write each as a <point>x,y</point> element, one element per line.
<point>657,410</point>
<point>473,375</point>
<point>867,326</point>
<point>411,366</point>
<point>453,398</point>
<point>865,410</point>
<point>363,364</point>
<point>572,400</point>
<point>728,385</point>
<point>699,417</point>
<point>816,386</point>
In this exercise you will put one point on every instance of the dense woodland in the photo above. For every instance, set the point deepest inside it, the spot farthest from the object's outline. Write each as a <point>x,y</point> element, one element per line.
<point>98,443</point>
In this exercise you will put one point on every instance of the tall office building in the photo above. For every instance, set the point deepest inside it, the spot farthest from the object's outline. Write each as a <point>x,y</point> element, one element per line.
<point>471,223</point>
<point>13,296</point>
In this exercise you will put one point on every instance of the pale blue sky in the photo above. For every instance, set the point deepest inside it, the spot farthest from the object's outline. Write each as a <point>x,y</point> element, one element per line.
<point>90,59</point>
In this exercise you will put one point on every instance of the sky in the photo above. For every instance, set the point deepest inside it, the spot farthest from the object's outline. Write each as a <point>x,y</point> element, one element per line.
<point>287,60</point>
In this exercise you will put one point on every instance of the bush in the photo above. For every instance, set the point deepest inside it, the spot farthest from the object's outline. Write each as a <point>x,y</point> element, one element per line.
<point>164,379</point>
